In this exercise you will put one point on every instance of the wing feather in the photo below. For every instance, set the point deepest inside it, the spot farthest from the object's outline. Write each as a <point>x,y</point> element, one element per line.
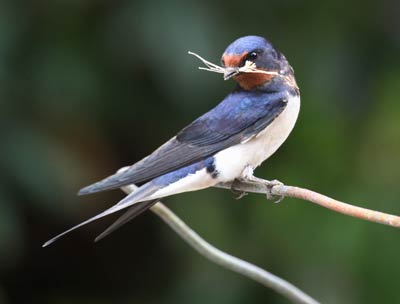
<point>238,117</point>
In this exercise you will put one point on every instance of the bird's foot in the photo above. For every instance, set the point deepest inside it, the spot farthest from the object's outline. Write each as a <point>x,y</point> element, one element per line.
<point>250,178</point>
<point>269,185</point>
<point>237,194</point>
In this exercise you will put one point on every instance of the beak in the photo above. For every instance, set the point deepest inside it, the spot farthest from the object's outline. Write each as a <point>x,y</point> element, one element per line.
<point>230,72</point>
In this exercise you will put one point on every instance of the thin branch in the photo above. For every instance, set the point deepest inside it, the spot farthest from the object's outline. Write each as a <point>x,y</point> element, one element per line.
<point>225,260</point>
<point>282,190</point>
<point>258,274</point>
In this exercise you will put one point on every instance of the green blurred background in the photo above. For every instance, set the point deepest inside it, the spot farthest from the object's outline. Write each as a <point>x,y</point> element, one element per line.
<point>89,86</point>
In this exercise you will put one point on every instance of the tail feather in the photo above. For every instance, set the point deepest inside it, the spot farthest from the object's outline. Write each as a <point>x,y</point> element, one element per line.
<point>132,212</point>
<point>142,194</point>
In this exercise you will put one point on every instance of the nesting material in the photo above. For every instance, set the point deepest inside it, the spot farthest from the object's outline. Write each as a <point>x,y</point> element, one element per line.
<point>248,67</point>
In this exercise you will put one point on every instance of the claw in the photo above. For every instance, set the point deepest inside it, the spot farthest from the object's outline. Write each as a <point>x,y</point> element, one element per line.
<point>247,176</point>
<point>269,185</point>
<point>281,197</point>
<point>237,194</point>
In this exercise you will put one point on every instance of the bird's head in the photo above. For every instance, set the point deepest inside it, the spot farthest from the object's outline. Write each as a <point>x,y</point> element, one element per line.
<point>257,50</point>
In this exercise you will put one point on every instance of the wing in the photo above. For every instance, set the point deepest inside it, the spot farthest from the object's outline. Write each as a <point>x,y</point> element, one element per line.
<point>238,117</point>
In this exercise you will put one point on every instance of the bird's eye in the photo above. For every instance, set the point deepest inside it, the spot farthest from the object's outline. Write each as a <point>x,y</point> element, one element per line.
<point>223,61</point>
<point>252,56</point>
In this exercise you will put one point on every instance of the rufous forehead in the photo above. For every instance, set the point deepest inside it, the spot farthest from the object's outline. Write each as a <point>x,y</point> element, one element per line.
<point>233,60</point>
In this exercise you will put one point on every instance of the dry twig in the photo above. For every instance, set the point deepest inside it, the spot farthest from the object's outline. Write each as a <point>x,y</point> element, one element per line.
<point>316,198</point>
<point>248,67</point>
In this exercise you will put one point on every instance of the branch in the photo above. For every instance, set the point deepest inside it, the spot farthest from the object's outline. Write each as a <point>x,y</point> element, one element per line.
<point>263,186</point>
<point>225,260</point>
<point>258,274</point>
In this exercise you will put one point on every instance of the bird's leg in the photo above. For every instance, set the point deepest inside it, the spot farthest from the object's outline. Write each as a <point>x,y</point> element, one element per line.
<point>237,194</point>
<point>247,176</point>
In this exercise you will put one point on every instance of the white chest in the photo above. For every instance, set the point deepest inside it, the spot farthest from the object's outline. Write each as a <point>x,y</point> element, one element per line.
<point>231,162</point>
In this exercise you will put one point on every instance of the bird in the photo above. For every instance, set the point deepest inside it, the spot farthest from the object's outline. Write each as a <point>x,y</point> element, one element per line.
<point>225,144</point>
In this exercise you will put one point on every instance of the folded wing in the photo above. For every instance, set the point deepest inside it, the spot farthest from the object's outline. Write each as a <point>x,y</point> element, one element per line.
<point>238,117</point>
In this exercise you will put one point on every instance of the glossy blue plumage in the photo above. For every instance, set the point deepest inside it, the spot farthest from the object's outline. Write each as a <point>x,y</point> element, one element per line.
<point>239,113</point>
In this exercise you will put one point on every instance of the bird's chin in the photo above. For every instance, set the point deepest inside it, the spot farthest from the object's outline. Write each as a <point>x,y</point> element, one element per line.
<point>250,81</point>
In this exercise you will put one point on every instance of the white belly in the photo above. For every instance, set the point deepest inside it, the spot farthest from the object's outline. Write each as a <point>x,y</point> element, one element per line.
<point>231,162</point>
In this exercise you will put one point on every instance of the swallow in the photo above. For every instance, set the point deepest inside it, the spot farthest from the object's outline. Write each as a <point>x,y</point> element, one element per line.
<point>223,145</point>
